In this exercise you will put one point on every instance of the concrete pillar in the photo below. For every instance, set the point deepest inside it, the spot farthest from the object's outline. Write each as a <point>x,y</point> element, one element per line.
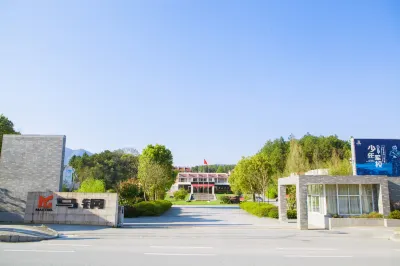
<point>383,199</point>
<point>301,198</point>
<point>282,204</point>
<point>212,190</point>
<point>191,189</point>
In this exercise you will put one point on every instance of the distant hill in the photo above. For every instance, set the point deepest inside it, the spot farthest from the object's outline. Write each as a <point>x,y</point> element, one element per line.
<point>69,153</point>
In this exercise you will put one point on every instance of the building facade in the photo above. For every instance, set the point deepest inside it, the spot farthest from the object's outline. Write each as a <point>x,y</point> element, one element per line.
<point>28,163</point>
<point>211,183</point>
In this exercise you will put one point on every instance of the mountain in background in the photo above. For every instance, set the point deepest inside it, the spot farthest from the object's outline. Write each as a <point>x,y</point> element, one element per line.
<point>69,153</point>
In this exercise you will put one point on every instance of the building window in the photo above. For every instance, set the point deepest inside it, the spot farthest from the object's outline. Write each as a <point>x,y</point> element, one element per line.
<point>331,199</point>
<point>349,199</point>
<point>194,179</point>
<point>367,199</point>
<point>314,198</point>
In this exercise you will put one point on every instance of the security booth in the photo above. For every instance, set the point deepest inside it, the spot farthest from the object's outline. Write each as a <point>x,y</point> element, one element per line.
<point>319,197</point>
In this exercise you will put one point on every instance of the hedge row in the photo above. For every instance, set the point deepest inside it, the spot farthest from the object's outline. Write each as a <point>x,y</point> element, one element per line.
<point>260,209</point>
<point>394,215</point>
<point>292,214</point>
<point>147,208</point>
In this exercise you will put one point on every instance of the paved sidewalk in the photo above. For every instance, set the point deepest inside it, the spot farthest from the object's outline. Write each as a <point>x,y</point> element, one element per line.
<point>25,233</point>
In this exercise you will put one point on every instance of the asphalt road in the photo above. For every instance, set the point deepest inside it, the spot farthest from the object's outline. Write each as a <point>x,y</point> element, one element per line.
<point>207,244</point>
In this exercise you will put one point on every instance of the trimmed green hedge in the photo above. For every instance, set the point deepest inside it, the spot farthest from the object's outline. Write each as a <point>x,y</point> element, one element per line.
<point>372,215</point>
<point>260,209</point>
<point>147,208</point>
<point>292,214</point>
<point>394,215</point>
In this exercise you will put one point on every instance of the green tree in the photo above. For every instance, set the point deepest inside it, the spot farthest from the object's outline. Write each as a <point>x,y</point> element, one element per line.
<point>296,162</point>
<point>242,180</point>
<point>92,185</point>
<point>155,171</point>
<point>129,192</point>
<point>277,151</point>
<point>154,179</point>
<point>6,127</point>
<point>339,167</point>
<point>220,169</point>
<point>262,172</point>
<point>111,167</point>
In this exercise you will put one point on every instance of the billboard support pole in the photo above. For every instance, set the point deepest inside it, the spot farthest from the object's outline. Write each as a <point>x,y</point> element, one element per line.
<point>353,156</point>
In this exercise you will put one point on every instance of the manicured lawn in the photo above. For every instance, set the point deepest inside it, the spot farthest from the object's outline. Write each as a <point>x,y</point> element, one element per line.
<point>184,202</point>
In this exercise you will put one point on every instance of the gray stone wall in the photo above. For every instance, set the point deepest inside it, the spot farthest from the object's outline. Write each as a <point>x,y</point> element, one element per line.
<point>108,215</point>
<point>28,163</point>
<point>394,191</point>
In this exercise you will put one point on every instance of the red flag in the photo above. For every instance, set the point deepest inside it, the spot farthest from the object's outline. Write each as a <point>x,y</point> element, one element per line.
<point>205,162</point>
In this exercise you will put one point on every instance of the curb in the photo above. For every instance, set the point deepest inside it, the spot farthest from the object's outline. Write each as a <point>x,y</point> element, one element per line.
<point>17,238</point>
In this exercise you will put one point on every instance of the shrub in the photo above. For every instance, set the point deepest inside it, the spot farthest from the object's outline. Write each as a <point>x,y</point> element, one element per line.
<point>394,215</point>
<point>147,208</point>
<point>92,185</point>
<point>260,209</point>
<point>180,194</point>
<point>129,192</point>
<point>369,215</point>
<point>273,213</point>
<point>225,200</point>
<point>292,214</point>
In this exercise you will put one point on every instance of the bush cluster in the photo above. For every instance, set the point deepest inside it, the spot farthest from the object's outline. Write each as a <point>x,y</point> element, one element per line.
<point>292,214</point>
<point>180,194</point>
<point>147,208</point>
<point>225,199</point>
<point>369,215</point>
<point>394,215</point>
<point>260,209</point>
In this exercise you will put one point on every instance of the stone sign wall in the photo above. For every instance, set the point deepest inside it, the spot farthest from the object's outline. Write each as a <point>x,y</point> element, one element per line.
<point>28,163</point>
<point>72,208</point>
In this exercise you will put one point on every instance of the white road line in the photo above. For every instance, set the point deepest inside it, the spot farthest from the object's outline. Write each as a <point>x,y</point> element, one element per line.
<point>38,250</point>
<point>179,254</point>
<point>315,256</point>
<point>180,247</point>
<point>70,245</point>
<point>316,249</point>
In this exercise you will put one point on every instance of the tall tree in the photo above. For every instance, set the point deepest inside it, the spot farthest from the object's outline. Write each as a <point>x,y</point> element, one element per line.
<point>6,127</point>
<point>262,172</point>
<point>296,162</point>
<point>220,169</point>
<point>111,167</point>
<point>241,179</point>
<point>155,170</point>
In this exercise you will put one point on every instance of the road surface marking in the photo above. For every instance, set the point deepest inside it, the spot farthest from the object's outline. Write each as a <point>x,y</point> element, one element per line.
<point>37,250</point>
<point>70,245</point>
<point>315,256</point>
<point>177,254</point>
<point>316,249</point>
<point>180,247</point>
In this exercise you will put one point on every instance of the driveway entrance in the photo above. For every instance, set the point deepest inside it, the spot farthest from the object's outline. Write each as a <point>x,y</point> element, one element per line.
<point>194,216</point>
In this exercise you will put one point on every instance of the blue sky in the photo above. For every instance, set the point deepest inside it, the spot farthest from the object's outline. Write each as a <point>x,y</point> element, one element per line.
<point>208,79</point>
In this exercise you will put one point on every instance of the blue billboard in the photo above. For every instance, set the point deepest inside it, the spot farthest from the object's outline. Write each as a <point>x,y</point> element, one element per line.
<point>376,157</point>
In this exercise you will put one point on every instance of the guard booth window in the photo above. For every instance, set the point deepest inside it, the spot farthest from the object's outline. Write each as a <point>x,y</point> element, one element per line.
<point>315,193</point>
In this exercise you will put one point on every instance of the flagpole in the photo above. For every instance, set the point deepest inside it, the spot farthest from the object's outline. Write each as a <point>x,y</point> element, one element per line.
<point>208,181</point>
